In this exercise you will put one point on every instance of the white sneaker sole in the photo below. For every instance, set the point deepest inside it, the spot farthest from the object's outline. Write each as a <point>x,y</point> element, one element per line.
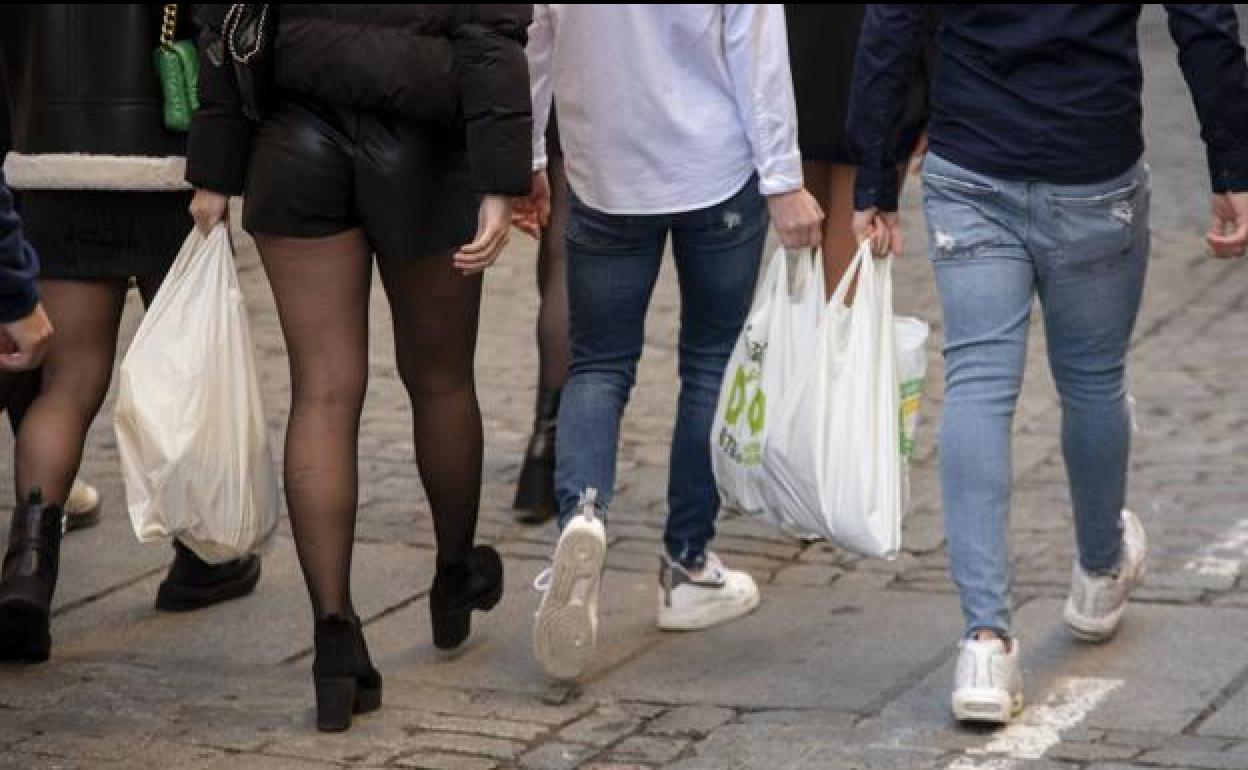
<point>566,630</point>
<point>707,616</point>
<point>986,706</point>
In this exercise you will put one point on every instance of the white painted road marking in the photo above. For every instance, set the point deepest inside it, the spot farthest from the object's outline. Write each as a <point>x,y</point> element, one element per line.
<point>1038,729</point>
<point>1225,557</point>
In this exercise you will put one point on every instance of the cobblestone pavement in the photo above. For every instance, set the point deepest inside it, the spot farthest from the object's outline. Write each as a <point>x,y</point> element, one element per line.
<point>847,663</point>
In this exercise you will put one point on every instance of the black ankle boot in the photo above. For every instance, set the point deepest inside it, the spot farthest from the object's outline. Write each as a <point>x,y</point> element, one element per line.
<point>458,590</point>
<point>346,682</point>
<point>193,583</point>
<point>29,580</point>
<point>535,491</point>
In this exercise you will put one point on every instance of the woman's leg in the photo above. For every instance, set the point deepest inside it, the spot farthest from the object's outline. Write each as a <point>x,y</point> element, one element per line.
<point>321,286</point>
<point>76,374</point>
<point>552,284</point>
<point>435,310</point>
<point>535,489</point>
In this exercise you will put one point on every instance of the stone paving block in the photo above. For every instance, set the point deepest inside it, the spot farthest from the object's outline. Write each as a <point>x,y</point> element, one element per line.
<point>492,727</point>
<point>267,627</point>
<point>495,748</point>
<point>807,575</point>
<point>840,650</point>
<point>557,756</point>
<point>690,720</point>
<point>430,760</point>
<point>602,727</point>
<point>499,656</point>
<point>801,718</point>
<point>1191,760</point>
<point>1091,752</point>
<point>648,749</point>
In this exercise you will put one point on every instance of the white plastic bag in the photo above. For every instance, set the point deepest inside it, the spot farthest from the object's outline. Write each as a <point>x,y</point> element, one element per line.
<point>841,404</point>
<point>189,419</point>
<point>769,357</point>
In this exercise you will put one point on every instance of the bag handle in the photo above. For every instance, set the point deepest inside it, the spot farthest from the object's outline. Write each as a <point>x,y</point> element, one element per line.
<point>229,30</point>
<point>169,26</point>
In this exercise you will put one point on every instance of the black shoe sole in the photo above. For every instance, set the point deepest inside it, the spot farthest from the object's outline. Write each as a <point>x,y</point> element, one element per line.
<point>172,597</point>
<point>79,521</point>
<point>24,634</point>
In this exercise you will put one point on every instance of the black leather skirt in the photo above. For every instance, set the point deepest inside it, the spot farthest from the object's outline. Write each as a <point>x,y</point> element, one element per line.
<point>318,170</point>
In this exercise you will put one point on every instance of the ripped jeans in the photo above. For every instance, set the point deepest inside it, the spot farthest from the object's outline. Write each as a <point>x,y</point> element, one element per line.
<point>994,245</point>
<point>613,263</point>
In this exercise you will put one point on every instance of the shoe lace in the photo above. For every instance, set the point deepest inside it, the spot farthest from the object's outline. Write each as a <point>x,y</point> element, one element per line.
<point>542,581</point>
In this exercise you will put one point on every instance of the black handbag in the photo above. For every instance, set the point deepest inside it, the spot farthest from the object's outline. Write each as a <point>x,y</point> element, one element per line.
<point>248,32</point>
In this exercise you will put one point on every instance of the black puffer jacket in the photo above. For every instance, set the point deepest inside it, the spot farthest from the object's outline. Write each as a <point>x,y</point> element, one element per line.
<point>446,64</point>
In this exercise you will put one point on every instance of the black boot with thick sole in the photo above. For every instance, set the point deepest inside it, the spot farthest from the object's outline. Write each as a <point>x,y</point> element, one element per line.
<point>535,491</point>
<point>28,581</point>
<point>458,590</point>
<point>343,674</point>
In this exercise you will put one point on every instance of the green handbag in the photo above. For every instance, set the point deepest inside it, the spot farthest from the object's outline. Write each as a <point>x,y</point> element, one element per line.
<point>177,67</point>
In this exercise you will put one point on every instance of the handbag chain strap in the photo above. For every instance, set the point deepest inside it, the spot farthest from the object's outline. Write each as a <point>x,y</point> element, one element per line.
<point>233,18</point>
<point>169,28</point>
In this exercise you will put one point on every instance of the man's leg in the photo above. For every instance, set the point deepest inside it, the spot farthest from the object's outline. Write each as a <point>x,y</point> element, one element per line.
<point>1090,288</point>
<point>718,251</point>
<point>985,277</point>
<point>613,263</point>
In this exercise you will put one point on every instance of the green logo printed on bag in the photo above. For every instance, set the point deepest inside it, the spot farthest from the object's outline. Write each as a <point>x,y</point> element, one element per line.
<point>736,399</point>
<point>758,413</point>
<point>911,395</point>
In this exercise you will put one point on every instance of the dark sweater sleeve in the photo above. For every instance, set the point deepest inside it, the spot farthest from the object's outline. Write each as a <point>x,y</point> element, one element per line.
<point>1213,64</point>
<point>494,82</point>
<point>220,139</point>
<point>888,53</point>
<point>18,264</point>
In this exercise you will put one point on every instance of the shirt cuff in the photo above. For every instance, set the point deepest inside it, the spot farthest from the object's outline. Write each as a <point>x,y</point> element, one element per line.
<point>875,188</point>
<point>777,176</point>
<point>540,161</point>
<point>1228,170</point>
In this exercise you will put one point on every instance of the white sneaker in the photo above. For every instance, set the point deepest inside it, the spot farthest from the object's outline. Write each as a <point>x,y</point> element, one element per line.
<point>988,683</point>
<point>82,507</point>
<point>566,629</point>
<point>1096,602</point>
<point>689,601</point>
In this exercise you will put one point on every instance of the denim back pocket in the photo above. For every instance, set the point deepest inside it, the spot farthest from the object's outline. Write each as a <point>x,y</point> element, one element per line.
<point>961,215</point>
<point>1096,231</point>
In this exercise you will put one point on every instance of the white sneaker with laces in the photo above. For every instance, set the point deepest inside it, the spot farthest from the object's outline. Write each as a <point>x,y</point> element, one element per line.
<point>566,629</point>
<point>690,601</point>
<point>988,682</point>
<point>1097,602</point>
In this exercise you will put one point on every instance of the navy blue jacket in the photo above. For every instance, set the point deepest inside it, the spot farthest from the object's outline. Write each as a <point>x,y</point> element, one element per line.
<point>1042,92</point>
<point>18,264</point>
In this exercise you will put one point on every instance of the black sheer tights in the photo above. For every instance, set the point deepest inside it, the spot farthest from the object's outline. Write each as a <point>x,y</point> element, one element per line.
<point>322,290</point>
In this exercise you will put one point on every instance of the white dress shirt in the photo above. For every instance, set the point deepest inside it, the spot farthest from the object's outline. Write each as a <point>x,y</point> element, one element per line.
<point>665,108</point>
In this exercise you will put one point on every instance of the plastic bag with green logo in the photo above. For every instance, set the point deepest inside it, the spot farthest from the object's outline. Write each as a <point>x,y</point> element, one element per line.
<point>769,359</point>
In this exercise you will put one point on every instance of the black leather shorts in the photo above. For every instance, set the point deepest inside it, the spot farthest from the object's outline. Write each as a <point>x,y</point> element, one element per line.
<point>319,170</point>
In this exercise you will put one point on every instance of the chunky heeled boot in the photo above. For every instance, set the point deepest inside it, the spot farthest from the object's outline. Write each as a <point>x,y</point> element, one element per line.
<point>28,580</point>
<point>458,590</point>
<point>346,682</point>
<point>535,491</point>
<point>193,583</point>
